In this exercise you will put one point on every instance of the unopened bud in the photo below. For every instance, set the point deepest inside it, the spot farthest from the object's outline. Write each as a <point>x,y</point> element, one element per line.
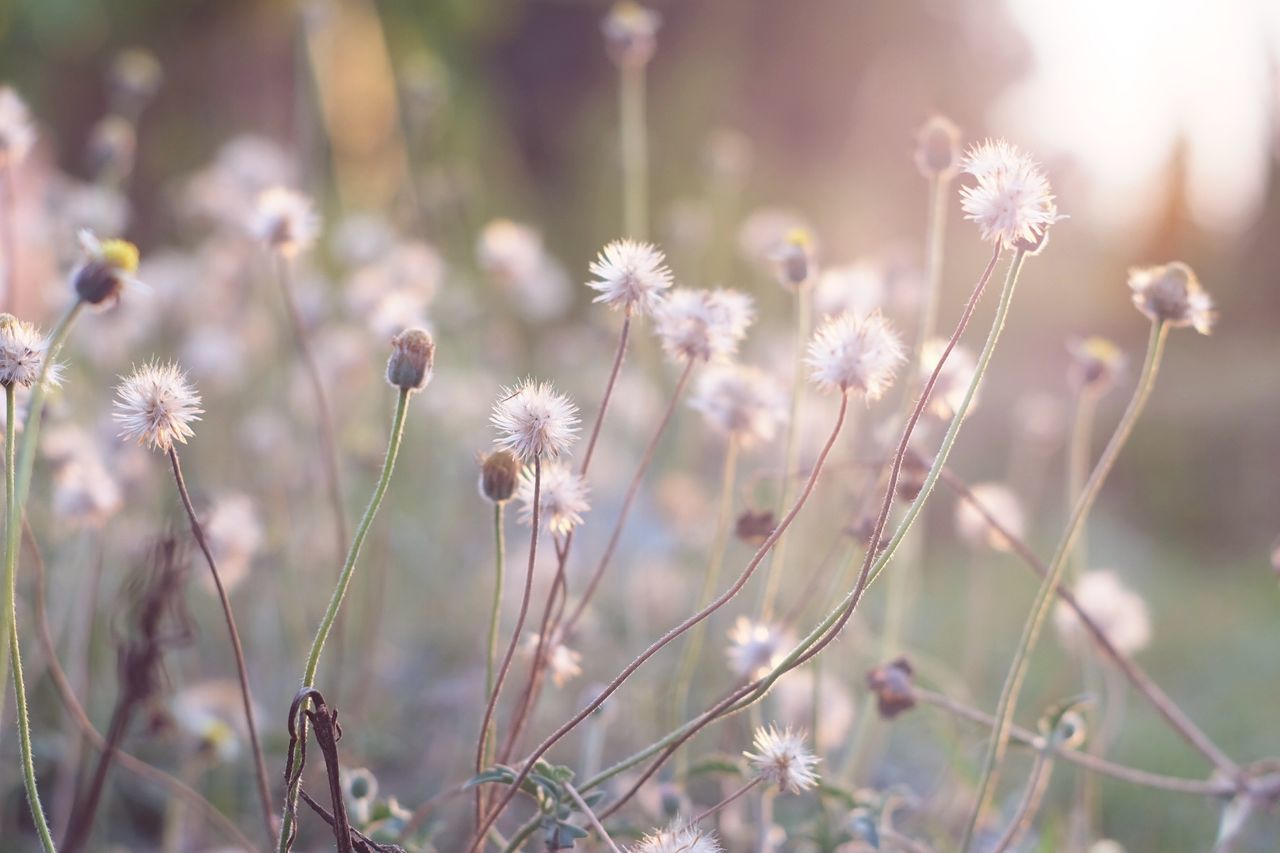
<point>894,687</point>
<point>754,527</point>
<point>412,357</point>
<point>938,148</point>
<point>794,258</point>
<point>499,475</point>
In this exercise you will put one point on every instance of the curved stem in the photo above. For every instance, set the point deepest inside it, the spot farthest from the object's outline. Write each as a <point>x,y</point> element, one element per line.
<point>495,612</point>
<point>623,338</point>
<point>246,697</point>
<point>591,817</point>
<point>1044,596</point>
<point>1037,784</point>
<point>727,800</point>
<point>339,593</point>
<point>12,532</point>
<point>1078,469</point>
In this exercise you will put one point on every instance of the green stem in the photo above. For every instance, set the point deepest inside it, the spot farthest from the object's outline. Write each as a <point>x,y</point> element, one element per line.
<point>1078,470</point>
<point>11,537</point>
<point>340,591</point>
<point>35,405</point>
<point>635,155</point>
<point>500,545</point>
<point>791,450</point>
<point>1044,596</point>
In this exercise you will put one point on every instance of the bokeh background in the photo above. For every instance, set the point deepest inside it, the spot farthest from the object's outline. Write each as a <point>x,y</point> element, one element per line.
<point>1158,123</point>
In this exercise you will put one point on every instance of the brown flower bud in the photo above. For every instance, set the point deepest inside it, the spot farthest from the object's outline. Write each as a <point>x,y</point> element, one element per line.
<point>938,148</point>
<point>754,527</point>
<point>894,688</point>
<point>499,473</point>
<point>413,355</point>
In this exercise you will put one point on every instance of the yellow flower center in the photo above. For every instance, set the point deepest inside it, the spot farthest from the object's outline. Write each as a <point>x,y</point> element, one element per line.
<point>121,254</point>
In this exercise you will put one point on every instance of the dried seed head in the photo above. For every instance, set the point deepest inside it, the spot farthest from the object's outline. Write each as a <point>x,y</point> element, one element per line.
<point>855,354</point>
<point>413,356</point>
<point>1096,364</point>
<point>22,354</point>
<point>894,687</point>
<point>285,220</point>
<point>156,405</point>
<point>630,34</point>
<point>754,526</point>
<point>632,275</point>
<point>679,838</point>
<point>562,498</point>
<point>499,476</point>
<point>1012,201</point>
<point>533,419</point>
<point>782,758</point>
<point>703,325</point>
<point>1172,293</point>
<point>938,148</point>
<point>741,402</point>
<point>108,269</point>
<point>794,258</point>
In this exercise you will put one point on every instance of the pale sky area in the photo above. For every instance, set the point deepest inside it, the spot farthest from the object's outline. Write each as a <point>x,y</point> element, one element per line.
<point>1116,82</point>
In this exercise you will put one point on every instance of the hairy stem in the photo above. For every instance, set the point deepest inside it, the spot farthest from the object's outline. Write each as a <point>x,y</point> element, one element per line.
<point>495,613</point>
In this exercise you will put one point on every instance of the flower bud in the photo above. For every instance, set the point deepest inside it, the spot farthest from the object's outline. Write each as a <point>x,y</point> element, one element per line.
<point>1096,364</point>
<point>630,34</point>
<point>1172,294</point>
<point>894,687</point>
<point>413,355</point>
<point>499,476</point>
<point>794,258</point>
<point>753,527</point>
<point>109,266</point>
<point>938,148</point>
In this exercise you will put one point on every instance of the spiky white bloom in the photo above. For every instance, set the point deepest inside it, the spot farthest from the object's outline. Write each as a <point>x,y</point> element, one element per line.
<point>953,380</point>
<point>679,838</point>
<point>1173,293</point>
<point>23,350</point>
<point>756,647</point>
<point>782,758</point>
<point>703,325</point>
<point>1002,504</point>
<point>852,353</point>
<point>562,498</point>
<point>155,405</point>
<point>856,288</point>
<point>563,663</point>
<point>17,134</point>
<point>1119,612</point>
<point>533,419</point>
<point>741,402</point>
<point>630,274</point>
<point>285,220</point>
<point>1012,200</point>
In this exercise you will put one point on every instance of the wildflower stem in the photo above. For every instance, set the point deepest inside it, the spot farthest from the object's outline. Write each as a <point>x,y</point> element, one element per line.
<point>623,338</point>
<point>791,449</point>
<point>1044,596</point>
<point>35,404</point>
<point>591,817</point>
<point>671,635</point>
<point>340,592</point>
<point>246,696</point>
<point>500,559</point>
<point>1078,452</point>
<point>740,792</point>
<point>1025,813</point>
<point>12,532</point>
<point>635,154</point>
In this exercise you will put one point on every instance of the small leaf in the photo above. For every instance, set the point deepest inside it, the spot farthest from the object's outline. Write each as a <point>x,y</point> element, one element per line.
<point>499,773</point>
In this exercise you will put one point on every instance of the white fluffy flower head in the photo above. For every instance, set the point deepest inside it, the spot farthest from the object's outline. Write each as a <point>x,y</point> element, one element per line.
<point>632,275</point>
<point>852,353</point>
<point>742,402</point>
<point>17,134</point>
<point>285,220</point>
<point>782,758</point>
<point>534,420</point>
<point>562,498</point>
<point>679,838</point>
<point>1119,612</point>
<point>703,325</point>
<point>1012,201</point>
<point>155,405</point>
<point>756,647</point>
<point>23,350</point>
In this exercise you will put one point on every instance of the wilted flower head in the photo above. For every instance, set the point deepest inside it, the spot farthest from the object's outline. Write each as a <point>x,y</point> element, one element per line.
<point>953,380</point>
<point>1002,504</point>
<point>413,355</point>
<point>1118,611</point>
<point>703,324</point>
<point>630,33</point>
<point>630,275</point>
<point>782,758</point>
<point>17,134</point>
<point>109,267</point>
<point>533,419</point>
<point>562,499</point>
<point>1012,201</point>
<point>499,475</point>
<point>938,148</point>
<point>155,405</point>
<point>755,647</point>
<point>852,353</point>
<point>741,402</point>
<point>285,220</point>
<point>22,353</point>
<point>856,288</point>
<point>793,258</point>
<point>1096,363</point>
<point>679,838</point>
<point>1172,293</point>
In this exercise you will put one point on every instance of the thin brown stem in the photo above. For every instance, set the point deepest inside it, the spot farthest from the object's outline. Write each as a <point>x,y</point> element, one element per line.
<point>591,817</point>
<point>727,800</point>
<point>675,632</point>
<point>623,337</point>
<point>264,791</point>
<point>1037,784</point>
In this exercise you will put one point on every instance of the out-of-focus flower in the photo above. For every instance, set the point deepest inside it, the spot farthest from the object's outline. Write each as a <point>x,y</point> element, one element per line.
<point>155,405</point>
<point>110,266</point>
<point>533,419</point>
<point>937,152</point>
<point>393,292</point>
<point>1096,364</point>
<point>1172,293</point>
<point>754,526</point>
<point>630,33</point>
<point>212,715</point>
<point>563,663</point>
<point>562,499</point>
<point>856,288</point>
<point>136,76</point>
<point>1041,416</point>
<point>111,149</point>
<point>360,790</point>
<point>84,492</point>
<point>1118,611</point>
<point>703,325</point>
<point>764,231</point>
<point>285,220</point>
<point>23,349</point>
<point>953,380</point>
<point>227,190</point>
<point>852,353</point>
<point>512,254</point>
<point>741,402</point>
<point>793,258</point>
<point>1002,504</point>
<point>235,536</point>
<point>17,133</point>
<point>631,275</point>
<point>728,154</point>
<point>1012,202</point>
<point>794,702</point>
<point>363,239</point>
<point>894,687</point>
<point>755,647</point>
<point>783,759</point>
<point>679,838</point>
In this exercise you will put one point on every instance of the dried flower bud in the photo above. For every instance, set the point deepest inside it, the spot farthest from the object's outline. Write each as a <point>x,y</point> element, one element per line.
<point>793,259</point>
<point>938,148</point>
<point>1096,364</point>
<point>1172,293</point>
<point>499,476</point>
<point>892,683</point>
<point>753,527</point>
<point>412,356</point>
<point>630,34</point>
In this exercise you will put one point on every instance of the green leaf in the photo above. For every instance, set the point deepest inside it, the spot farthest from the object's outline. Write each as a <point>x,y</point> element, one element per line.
<point>500,773</point>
